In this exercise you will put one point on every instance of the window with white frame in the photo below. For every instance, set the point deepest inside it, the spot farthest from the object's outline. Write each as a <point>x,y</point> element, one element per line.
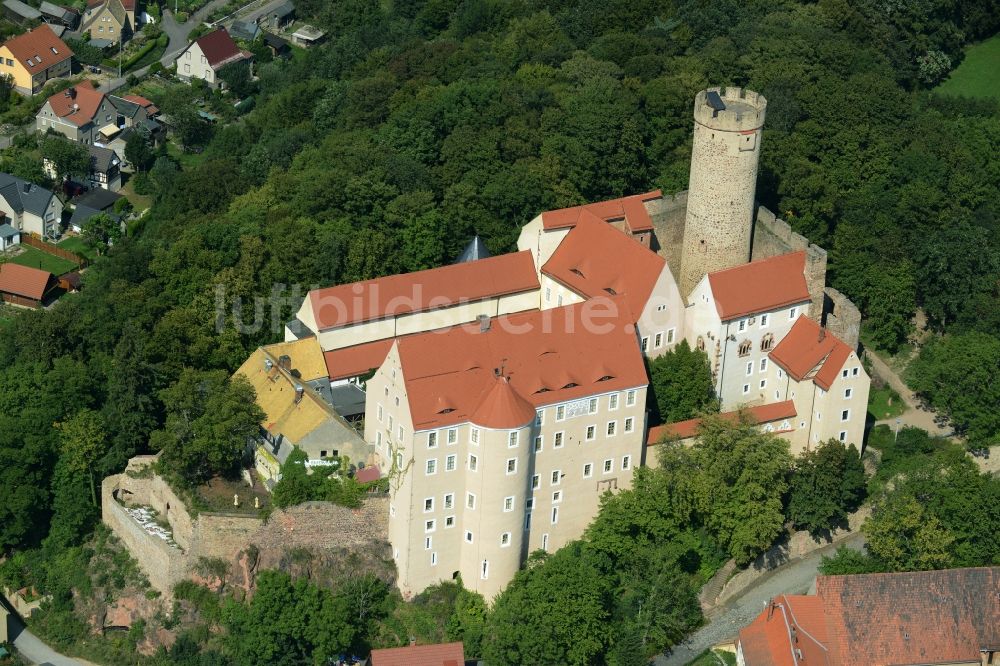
<point>763,321</point>
<point>527,521</point>
<point>548,294</point>
<point>536,481</point>
<point>592,406</point>
<point>742,325</point>
<point>843,435</point>
<point>561,413</point>
<point>644,344</point>
<point>378,411</point>
<point>591,432</point>
<point>763,384</point>
<point>399,461</point>
<point>556,476</point>
<point>843,373</point>
<point>848,393</point>
<point>613,402</point>
<point>485,573</point>
<point>792,312</point>
<point>512,439</point>
<point>388,425</point>
<point>763,365</point>
<point>671,333</point>
<point>746,389</point>
<point>400,434</point>
<point>449,521</point>
<point>854,372</point>
<point>538,443</point>
<point>468,536</point>
<point>539,417</point>
<point>434,559</point>
<point>845,415</point>
<point>626,463</point>
<point>449,463</point>
<point>749,368</point>
<point>557,440</point>
<point>378,438</point>
<point>555,515</point>
<point>609,466</point>
<point>449,501</point>
<point>557,497</point>
<point>612,428</point>
<point>474,435</point>
<point>630,398</point>
<point>505,540</point>
<point>511,465</point>
<point>431,467</point>
<point>429,525</point>
<point>470,501</point>
<point>629,424</point>
<point>658,340</point>
<point>428,504</point>
<point>428,541</point>
<point>545,542</point>
<point>508,504</point>
<point>473,463</point>
<point>432,440</point>
<point>452,436</point>
<point>588,470</point>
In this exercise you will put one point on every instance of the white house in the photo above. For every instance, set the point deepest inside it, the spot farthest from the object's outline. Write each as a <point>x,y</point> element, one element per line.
<point>205,56</point>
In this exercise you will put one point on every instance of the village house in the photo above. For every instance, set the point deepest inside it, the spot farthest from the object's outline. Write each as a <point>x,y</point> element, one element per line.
<point>84,114</point>
<point>29,208</point>
<point>104,172</point>
<point>914,618</point>
<point>34,58</point>
<point>208,54</point>
<point>23,285</point>
<point>113,20</point>
<point>441,654</point>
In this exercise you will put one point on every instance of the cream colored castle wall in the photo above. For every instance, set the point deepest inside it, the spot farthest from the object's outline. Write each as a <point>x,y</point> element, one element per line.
<point>653,320</point>
<point>555,294</point>
<point>541,243</point>
<point>722,184</point>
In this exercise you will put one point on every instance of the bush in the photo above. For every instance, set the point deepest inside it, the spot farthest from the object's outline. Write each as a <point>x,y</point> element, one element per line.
<point>181,17</point>
<point>140,183</point>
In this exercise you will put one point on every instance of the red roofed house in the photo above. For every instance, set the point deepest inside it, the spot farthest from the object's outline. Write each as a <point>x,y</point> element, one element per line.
<point>507,430</point>
<point>33,58</point>
<point>26,286</point>
<point>84,114</point>
<point>888,619</point>
<point>738,315</point>
<point>443,654</point>
<point>205,56</point>
<point>777,417</point>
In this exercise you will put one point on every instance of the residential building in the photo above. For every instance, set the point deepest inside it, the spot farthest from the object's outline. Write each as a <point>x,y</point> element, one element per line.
<point>442,654</point>
<point>9,236</point>
<point>914,618</point>
<point>105,168</point>
<point>29,208</point>
<point>84,114</point>
<point>113,20</point>
<point>82,213</point>
<point>23,285</point>
<point>34,58</point>
<point>208,54</point>
<point>500,436</point>
<point>738,315</point>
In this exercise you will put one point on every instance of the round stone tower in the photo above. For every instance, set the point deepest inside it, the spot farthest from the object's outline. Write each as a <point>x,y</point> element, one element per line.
<point>720,201</point>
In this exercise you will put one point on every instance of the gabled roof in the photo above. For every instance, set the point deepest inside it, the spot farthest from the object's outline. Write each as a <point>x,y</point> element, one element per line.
<point>424,290</point>
<point>7,231</point>
<point>139,100</point>
<point>762,414</point>
<point>102,159</point>
<point>811,351</point>
<point>24,196</point>
<point>38,49</point>
<point>595,259</point>
<point>77,104</point>
<point>98,198</point>
<point>82,213</point>
<point>557,355</point>
<point>767,641</point>
<point>23,10</point>
<point>631,210</point>
<point>760,286</point>
<point>24,281</point>
<point>306,355</point>
<point>443,654</point>
<point>219,48</point>
<point>356,360</point>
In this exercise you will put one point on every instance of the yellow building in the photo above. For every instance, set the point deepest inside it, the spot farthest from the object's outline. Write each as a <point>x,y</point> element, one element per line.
<point>33,58</point>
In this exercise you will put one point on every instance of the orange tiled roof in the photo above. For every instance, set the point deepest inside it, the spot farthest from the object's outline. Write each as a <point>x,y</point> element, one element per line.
<point>442,654</point>
<point>811,350</point>
<point>356,360</point>
<point>630,209</point>
<point>424,290</point>
<point>595,259</point>
<point>78,104</point>
<point>760,285</point>
<point>151,108</point>
<point>767,641</point>
<point>563,354</point>
<point>24,281</point>
<point>762,414</point>
<point>38,49</point>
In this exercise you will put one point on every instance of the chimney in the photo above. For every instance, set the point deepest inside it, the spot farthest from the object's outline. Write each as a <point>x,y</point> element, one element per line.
<point>484,323</point>
<point>71,93</point>
<point>268,364</point>
<point>299,392</point>
<point>822,334</point>
<point>285,362</point>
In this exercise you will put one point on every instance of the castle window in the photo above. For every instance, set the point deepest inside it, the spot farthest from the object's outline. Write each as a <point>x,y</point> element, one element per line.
<point>629,424</point>
<point>792,313</point>
<point>763,321</point>
<point>744,348</point>
<point>557,440</point>
<point>700,344</point>
<point>767,342</point>
<point>505,539</point>
<point>630,398</point>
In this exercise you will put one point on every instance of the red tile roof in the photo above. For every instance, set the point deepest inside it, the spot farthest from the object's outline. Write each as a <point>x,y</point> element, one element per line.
<point>424,290</point>
<point>768,640</point>
<point>357,360</point>
<point>760,285</point>
<point>809,350</point>
<point>151,108</point>
<point>631,209</point>
<point>550,356</point>
<point>24,281</point>
<point>503,407</point>
<point>367,474</point>
<point>595,259</point>
<point>442,654</point>
<point>762,414</point>
<point>219,48</point>
<point>37,47</point>
<point>78,104</point>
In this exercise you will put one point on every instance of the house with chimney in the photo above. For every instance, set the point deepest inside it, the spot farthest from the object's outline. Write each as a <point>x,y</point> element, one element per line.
<point>207,55</point>
<point>86,115</point>
<point>34,58</point>
<point>917,618</point>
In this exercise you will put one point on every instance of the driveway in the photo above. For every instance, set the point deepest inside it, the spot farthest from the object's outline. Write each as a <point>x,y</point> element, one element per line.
<point>795,577</point>
<point>35,651</point>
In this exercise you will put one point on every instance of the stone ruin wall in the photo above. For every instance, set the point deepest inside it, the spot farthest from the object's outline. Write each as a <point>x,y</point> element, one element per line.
<point>313,525</point>
<point>771,236</point>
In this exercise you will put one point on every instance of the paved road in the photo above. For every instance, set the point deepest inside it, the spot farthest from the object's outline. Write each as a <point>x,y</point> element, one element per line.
<point>796,577</point>
<point>35,651</point>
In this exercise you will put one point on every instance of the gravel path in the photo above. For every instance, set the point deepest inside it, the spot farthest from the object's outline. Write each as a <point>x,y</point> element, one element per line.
<point>34,651</point>
<point>795,577</point>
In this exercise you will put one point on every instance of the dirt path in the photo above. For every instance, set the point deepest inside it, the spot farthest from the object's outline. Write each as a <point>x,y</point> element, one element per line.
<point>915,415</point>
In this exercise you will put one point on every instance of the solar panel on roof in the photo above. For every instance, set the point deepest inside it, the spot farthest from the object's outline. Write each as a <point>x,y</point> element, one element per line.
<point>714,101</point>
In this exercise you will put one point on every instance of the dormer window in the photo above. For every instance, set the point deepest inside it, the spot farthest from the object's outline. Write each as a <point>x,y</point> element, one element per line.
<point>611,291</point>
<point>605,378</point>
<point>576,271</point>
<point>570,385</point>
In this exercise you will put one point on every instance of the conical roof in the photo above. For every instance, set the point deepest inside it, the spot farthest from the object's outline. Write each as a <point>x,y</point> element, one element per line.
<point>503,407</point>
<point>475,250</point>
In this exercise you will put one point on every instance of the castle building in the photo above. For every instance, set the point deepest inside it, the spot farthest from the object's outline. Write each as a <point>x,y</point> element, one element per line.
<point>503,395</point>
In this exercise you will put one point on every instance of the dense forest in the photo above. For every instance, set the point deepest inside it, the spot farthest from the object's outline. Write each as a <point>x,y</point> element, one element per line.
<point>423,122</point>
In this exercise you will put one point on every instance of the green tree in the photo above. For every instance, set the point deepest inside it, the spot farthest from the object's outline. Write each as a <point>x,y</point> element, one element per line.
<point>682,384</point>
<point>297,485</point>
<point>83,440</point>
<point>138,152</point>
<point>827,483</point>
<point>68,159</point>
<point>238,78</point>
<point>905,537</point>
<point>101,231</point>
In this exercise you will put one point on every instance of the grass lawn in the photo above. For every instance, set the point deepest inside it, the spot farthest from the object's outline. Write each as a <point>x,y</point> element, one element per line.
<point>187,160</point>
<point>35,258</point>
<point>139,201</point>
<point>977,75</point>
<point>716,658</point>
<point>76,244</point>
<point>879,403</point>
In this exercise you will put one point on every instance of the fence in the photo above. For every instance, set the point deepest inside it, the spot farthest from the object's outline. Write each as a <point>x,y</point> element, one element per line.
<point>54,250</point>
